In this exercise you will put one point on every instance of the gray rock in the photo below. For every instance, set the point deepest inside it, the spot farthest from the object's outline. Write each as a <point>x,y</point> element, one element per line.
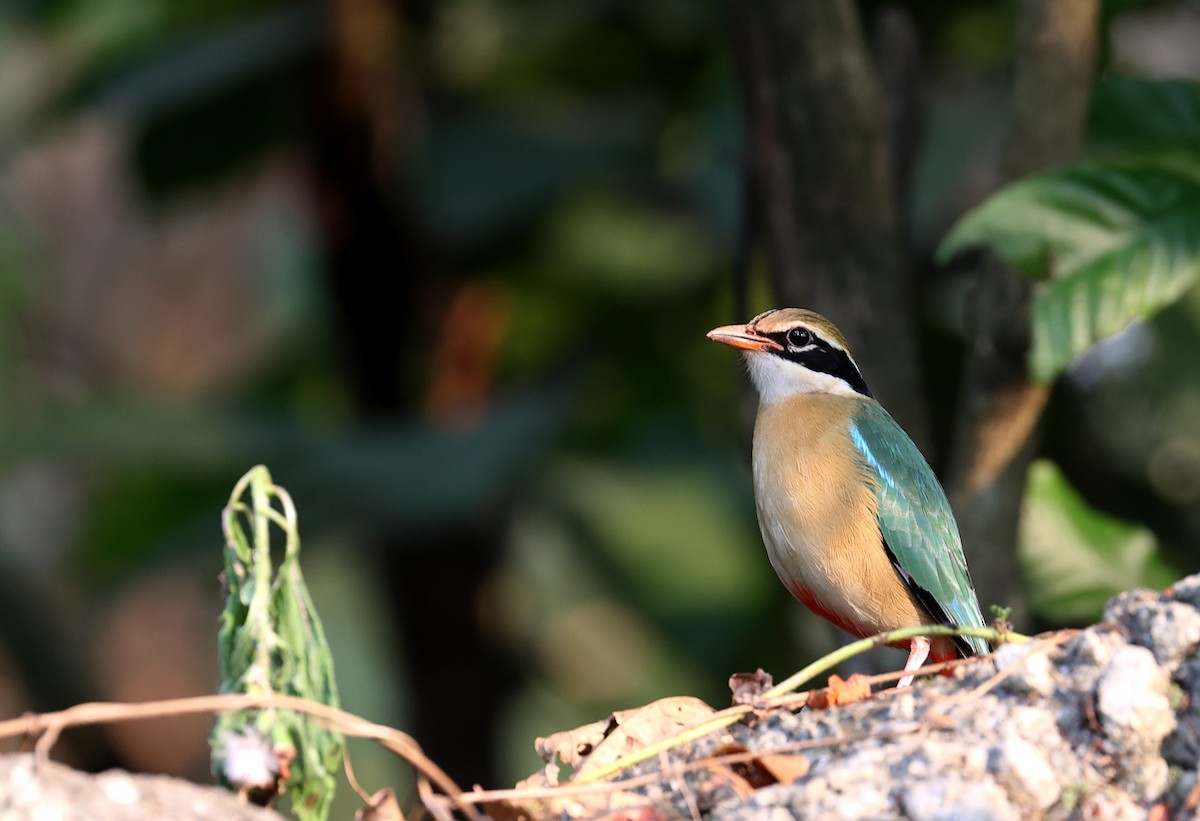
<point>1032,675</point>
<point>1170,629</point>
<point>46,790</point>
<point>1182,747</point>
<point>1104,725</point>
<point>1107,804</point>
<point>1133,706</point>
<point>1026,772</point>
<point>1187,591</point>
<point>954,799</point>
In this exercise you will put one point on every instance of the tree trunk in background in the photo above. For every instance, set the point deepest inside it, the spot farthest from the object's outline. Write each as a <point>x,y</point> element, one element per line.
<point>1001,406</point>
<point>377,270</point>
<point>815,120</point>
<point>824,186</point>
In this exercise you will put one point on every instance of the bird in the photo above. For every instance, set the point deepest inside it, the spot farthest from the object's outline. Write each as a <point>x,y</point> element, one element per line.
<point>854,520</point>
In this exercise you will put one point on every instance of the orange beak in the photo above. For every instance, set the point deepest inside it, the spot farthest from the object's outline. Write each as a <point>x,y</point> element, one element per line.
<point>744,337</point>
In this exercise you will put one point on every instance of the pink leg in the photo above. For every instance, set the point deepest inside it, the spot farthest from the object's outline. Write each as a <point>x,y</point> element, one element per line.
<point>918,651</point>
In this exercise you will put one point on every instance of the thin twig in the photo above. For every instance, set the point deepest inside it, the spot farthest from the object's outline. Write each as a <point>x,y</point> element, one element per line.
<point>927,670</point>
<point>50,725</point>
<point>854,648</point>
<point>574,788</point>
<point>675,774</point>
<point>1040,646</point>
<point>351,778</point>
<point>432,801</point>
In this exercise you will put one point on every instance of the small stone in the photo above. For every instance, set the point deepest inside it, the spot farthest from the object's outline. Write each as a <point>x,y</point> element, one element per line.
<point>1186,590</point>
<point>974,762</point>
<point>1121,605</point>
<point>118,787</point>
<point>775,814</point>
<point>952,799</point>
<point>1109,805</point>
<point>1091,648</point>
<point>913,767</point>
<point>1034,674</point>
<point>1188,673</point>
<point>1023,768</point>
<point>1134,707</point>
<point>1171,629</point>
<point>1182,747</point>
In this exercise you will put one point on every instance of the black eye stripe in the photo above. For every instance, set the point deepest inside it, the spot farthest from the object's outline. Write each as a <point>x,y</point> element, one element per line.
<point>821,356</point>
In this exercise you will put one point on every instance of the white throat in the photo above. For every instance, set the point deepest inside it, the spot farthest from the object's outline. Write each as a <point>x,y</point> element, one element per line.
<point>777,379</point>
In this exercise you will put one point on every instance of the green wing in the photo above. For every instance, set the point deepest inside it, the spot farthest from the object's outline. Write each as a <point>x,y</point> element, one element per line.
<point>915,521</point>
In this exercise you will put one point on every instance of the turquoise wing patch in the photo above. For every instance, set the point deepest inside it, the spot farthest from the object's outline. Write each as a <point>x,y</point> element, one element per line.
<point>915,520</point>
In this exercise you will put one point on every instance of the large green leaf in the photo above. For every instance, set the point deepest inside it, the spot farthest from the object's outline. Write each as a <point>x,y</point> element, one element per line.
<point>1113,240</point>
<point>1074,557</point>
<point>1134,113</point>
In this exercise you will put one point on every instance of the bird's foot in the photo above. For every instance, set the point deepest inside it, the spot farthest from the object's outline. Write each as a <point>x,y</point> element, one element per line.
<point>918,651</point>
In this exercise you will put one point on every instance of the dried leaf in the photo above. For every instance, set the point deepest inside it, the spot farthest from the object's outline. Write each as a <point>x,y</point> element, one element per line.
<point>750,776</point>
<point>572,746</point>
<point>785,767</point>
<point>596,745</point>
<point>841,691</point>
<point>762,770</point>
<point>582,805</point>
<point>748,687</point>
<point>633,730</point>
<point>382,806</point>
<point>730,774</point>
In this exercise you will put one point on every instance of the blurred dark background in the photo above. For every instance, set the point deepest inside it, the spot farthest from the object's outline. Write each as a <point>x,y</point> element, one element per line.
<point>446,268</point>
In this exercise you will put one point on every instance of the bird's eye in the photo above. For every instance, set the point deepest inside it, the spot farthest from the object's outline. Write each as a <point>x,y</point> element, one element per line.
<point>799,337</point>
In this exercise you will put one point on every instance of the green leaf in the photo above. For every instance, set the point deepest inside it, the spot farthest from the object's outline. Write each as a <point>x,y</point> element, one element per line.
<point>1074,557</point>
<point>1112,241</point>
<point>1133,113</point>
<point>271,641</point>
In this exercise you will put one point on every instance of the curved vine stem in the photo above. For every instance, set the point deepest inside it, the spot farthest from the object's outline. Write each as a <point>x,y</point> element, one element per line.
<point>732,715</point>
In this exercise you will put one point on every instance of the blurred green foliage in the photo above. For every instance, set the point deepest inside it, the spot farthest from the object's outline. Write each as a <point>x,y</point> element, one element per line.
<point>1076,557</point>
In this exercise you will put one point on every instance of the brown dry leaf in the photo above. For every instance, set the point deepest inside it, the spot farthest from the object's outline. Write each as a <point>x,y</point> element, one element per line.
<point>748,687</point>
<point>785,767</point>
<point>762,770</point>
<point>382,806</point>
<point>734,775</point>
<point>594,746</point>
<point>841,691</point>
<point>570,747</point>
<point>848,691</point>
<point>585,805</point>
<point>632,730</point>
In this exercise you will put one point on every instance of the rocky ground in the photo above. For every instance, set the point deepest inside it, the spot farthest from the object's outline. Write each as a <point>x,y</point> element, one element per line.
<point>46,791</point>
<point>1103,723</point>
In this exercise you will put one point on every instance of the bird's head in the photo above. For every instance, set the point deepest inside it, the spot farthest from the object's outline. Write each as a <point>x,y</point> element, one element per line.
<point>791,351</point>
